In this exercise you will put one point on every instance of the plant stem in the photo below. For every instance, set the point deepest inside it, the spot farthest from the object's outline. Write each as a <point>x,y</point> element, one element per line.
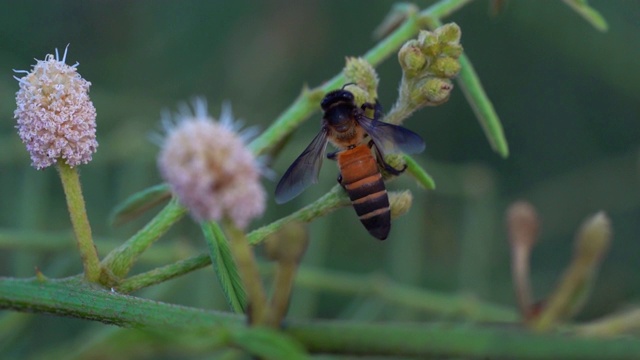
<point>80,221</point>
<point>344,283</point>
<point>377,285</point>
<point>75,299</point>
<point>419,173</point>
<point>332,200</point>
<point>588,13</point>
<point>120,260</point>
<point>248,269</point>
<point>282,288</point>
<point>592,242</point>
<point>164,273</point>
<point>626,322</point>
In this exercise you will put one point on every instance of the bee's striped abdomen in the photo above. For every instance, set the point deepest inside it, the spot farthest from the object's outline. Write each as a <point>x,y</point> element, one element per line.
<point>363,182</point>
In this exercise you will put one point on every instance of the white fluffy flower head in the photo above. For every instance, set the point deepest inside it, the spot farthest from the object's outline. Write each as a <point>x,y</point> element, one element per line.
<point>210,168</point>
<point>55,117</point>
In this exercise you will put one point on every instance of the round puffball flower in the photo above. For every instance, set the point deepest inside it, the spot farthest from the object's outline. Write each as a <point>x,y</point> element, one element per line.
<point>210,168</point>
<point>56,119</point>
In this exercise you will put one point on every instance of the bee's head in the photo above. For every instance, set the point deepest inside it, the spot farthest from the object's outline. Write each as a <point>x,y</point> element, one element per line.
<point>337,96</point>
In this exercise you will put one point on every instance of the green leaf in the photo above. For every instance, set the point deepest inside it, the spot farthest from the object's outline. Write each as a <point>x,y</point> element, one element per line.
<point>138,203</point>
<point>482,107</point>
<point>224,266</point>
<point>268,344</point>
<point>588,13</point>
<point>421,175</point>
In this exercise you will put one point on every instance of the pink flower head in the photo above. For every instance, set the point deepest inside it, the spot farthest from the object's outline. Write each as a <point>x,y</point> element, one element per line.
<point>210,168</point>
<point>56,118</point>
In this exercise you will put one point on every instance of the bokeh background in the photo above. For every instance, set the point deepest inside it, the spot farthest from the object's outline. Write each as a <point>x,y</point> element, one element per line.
<point>568,97</point>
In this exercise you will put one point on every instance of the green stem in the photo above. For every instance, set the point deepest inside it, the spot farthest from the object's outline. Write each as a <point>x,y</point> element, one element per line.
<point>73,298</point>
<point>120,260</point>
<point>588,13</point>
<point>403,295</point>
<point>420,174</point>
<point>627,322</point>
<point>164,273</point>
<point>442,9</point>
<point>483,108</point>
<point>332,200</point>
<point>592,242</point>
<point>344,283</point>
<point>282,288</point>
<point>80,221</point>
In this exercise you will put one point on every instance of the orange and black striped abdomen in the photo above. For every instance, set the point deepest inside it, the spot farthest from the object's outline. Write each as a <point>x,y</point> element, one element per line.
<point>362,180</point>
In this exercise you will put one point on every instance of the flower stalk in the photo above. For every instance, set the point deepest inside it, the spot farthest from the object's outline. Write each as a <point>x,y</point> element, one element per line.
<point>591,244</point>
<point>286,248</point>
<point>522,226</point>
<point>120,260</point>
<point>248,268</point>
<point>79,220</point>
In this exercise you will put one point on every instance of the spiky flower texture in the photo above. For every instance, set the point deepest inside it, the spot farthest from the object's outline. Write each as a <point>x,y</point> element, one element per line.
<point>210,168</point>
<point>56,119</point>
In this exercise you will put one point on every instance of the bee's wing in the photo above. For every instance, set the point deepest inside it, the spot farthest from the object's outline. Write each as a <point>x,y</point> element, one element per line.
<point>391,138</point>
<point>304,171</point>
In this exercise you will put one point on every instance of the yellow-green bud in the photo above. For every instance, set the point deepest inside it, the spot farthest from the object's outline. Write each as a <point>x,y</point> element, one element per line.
<point>359,71</point>
<point>429,43</point>
<point>400,202</point>
<point>431,91</point>
<point>427,38</point>
<point>448,33</point>
<point>360,95</point>
<point>445,67</point>
<point>452,50</point>
<point>411,58</point>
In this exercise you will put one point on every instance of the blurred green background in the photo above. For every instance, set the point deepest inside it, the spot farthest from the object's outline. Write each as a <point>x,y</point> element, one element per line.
<point>568,97</point>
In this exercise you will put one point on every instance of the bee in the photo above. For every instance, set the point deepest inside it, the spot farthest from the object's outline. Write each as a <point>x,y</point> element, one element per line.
<point>357,137</point>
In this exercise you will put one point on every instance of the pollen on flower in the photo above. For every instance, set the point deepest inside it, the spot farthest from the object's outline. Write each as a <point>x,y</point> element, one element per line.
<point>55,117</point>
<point>210,168</point>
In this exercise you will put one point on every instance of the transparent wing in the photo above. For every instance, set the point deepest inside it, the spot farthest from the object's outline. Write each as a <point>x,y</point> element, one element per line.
<point>391,138</point>
<point>304,170</point>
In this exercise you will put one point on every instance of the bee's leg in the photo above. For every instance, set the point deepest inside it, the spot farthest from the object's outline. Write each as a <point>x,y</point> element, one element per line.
<point>377,109</point>
<point>383,164</point>
<point>340,180</point>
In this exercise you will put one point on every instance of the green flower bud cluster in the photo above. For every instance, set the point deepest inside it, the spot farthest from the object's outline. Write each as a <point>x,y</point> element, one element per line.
<point>429,63</point>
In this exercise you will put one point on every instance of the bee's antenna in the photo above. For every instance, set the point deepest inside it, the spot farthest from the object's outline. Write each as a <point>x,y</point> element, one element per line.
<point>347,84</point>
